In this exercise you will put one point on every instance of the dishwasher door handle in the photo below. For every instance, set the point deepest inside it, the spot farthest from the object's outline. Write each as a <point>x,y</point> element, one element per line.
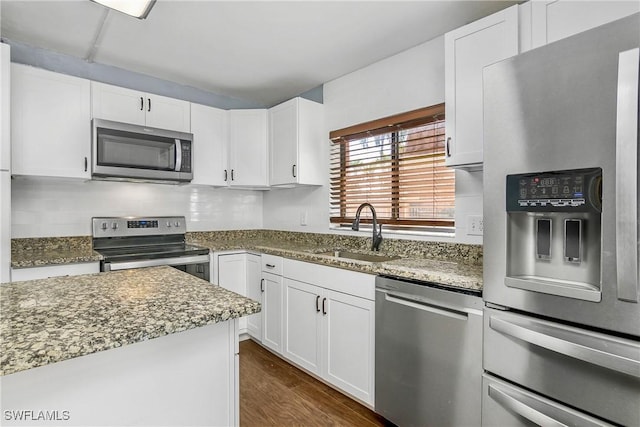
<point>422,305</point>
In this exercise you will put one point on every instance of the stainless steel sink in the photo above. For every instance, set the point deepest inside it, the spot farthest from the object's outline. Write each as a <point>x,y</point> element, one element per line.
<point>359,256</point>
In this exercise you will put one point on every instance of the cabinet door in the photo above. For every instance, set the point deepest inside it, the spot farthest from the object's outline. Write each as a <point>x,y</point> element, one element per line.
<point>232,275</point>
<point>5,107</point>
<point>467,51</point>
<point>118,104</point>
<point>348,344</point>
<point>557,19</point>
<point>248,148</point>
<point>50,123</point>
<point>254,291</point>
<point>283,140</point>
<point>272,312</point>
<point>302,324</point>
<point>209,128</point>
<point>168,113</point>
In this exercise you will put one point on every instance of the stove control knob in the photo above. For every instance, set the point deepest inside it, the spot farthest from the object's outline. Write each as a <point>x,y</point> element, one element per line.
<point>168,223</point>
<point>114,225</point>
<point>103,225</point>
<point>177,224</point>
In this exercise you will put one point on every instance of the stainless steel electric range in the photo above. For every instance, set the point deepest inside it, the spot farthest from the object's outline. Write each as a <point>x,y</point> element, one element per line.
<point>136,242</point>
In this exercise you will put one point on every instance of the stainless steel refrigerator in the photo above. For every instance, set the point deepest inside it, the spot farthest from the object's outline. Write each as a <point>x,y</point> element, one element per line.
<point>561,337</point>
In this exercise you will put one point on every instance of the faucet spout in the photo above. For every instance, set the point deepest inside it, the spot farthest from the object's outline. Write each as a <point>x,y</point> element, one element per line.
<point>377,231</point>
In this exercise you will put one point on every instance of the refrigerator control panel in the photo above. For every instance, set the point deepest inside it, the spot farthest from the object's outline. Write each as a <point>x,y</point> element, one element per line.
<point>577,190</point>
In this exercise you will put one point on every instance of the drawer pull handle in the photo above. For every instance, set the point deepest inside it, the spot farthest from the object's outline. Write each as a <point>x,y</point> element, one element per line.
<point>270,265</point>
<point>324,308</point>
<point>609,360</point>
<point>317,303</point>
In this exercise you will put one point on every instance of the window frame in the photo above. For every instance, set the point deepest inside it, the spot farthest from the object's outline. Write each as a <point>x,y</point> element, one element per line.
<point>398,122</point>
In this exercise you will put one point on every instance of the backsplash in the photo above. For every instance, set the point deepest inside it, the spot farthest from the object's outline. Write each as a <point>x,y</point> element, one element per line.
<point>46,207</point>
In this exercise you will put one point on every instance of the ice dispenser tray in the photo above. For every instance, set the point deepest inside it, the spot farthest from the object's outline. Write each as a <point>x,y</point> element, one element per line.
<point>554,232</point>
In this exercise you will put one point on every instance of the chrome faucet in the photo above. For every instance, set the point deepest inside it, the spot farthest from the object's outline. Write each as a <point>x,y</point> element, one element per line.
<point>377,233</point>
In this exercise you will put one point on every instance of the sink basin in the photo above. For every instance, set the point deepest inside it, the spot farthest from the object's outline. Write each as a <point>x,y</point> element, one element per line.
<point>359,256</point>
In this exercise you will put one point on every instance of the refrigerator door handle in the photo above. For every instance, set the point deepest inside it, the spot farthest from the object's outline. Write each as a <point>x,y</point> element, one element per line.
<point>543,337</point>
<point>512,403</point>
<point>627,176</point>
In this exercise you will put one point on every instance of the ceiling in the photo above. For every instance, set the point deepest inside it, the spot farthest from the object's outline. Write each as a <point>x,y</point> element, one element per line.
<point>262,51</point>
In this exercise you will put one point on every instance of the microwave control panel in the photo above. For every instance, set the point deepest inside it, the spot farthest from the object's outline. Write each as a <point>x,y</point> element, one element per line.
<point>577,190</point>
<point>186,156</point>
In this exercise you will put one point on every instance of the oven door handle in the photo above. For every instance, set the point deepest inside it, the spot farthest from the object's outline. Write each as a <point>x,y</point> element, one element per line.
<point>125,265</point>
<point>626,362</point>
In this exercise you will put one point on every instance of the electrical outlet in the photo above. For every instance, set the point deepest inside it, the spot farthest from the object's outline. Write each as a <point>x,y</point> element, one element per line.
<point>475,225</point>
<point>303,218</point>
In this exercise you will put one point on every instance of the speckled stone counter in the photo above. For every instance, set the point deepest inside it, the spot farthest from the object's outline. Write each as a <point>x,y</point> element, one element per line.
<point>36,252</point>
<point>50,320</point>
<point>448,264</point>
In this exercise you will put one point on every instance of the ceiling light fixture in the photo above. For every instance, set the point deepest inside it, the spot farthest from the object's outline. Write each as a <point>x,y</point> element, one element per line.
<point>136,8</point>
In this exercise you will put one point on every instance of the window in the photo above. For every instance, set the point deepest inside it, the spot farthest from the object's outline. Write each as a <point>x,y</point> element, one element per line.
<point>397,165</point>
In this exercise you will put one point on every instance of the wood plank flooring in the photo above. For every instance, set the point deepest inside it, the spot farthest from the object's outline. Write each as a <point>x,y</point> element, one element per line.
<point>275,393</point>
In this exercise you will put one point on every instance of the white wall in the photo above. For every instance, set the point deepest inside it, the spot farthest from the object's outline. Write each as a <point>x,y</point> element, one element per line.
<point>407,81</point>
<point>44,207</point>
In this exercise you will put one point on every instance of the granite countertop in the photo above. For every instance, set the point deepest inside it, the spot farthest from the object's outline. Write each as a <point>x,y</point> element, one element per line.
<point>43,251</point>
<point>40,258</point>
<point>454,273</point>
<point>50,320</point>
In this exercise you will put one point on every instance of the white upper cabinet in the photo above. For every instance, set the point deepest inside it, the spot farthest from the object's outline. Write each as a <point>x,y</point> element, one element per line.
<point>248,149</point>
<point>50,123</point>
<point>130,106</point>
<point>5,107</point>
<point>296,138</point>
<point>467,51</point>
<point>210,156</point>
<point>557,19</point>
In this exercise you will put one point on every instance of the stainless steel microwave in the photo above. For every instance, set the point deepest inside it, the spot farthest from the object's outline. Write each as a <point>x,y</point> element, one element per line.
<point>125,151</point>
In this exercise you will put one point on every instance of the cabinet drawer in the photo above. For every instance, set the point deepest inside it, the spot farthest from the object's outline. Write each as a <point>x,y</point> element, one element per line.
<point>272,264</point>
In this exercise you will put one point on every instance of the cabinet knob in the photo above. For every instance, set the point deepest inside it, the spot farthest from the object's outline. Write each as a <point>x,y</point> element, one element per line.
<point>293,171</point>
<point>225,175</point>
<point>324,308</point>
<point>448,147</point>
<point>261,285</point>
<point>148,104</point>
<point>232,178</point>
<point>317,303</point>
<point>86,164</point>
<point>141,104</point>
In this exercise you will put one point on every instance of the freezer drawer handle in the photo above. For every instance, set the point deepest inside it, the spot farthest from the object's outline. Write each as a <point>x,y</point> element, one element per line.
<point>522,409</point>
<point>627,176</point>
<point>421,305</point>
<point>587,354</point>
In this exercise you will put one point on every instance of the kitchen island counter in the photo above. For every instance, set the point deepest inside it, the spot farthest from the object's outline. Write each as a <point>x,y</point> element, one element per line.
<point>50,320</point>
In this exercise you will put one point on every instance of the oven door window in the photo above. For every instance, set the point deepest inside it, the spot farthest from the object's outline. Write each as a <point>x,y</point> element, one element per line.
<point>198,270</point>
<point>124,149</point>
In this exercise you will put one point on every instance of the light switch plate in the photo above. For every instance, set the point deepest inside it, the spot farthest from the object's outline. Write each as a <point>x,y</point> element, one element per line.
<point>475,225</point>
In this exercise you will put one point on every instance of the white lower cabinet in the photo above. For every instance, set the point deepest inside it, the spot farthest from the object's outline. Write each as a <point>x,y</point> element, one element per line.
<point>303,324</point>
<point>272,311</point>
<point>231,274</point>
<point>348,344</point>
<point>329,325</point>
<point>44,272</point>
<point>254,291</point>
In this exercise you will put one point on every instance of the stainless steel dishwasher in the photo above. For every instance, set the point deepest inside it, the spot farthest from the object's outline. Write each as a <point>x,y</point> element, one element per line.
<point>428,365</point>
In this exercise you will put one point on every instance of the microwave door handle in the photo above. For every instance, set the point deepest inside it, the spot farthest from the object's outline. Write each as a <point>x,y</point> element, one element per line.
<point>627,176</point>
<point>178,155</point>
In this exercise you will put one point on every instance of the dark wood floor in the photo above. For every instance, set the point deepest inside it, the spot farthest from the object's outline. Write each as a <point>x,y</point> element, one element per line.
<point>275,393</point>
